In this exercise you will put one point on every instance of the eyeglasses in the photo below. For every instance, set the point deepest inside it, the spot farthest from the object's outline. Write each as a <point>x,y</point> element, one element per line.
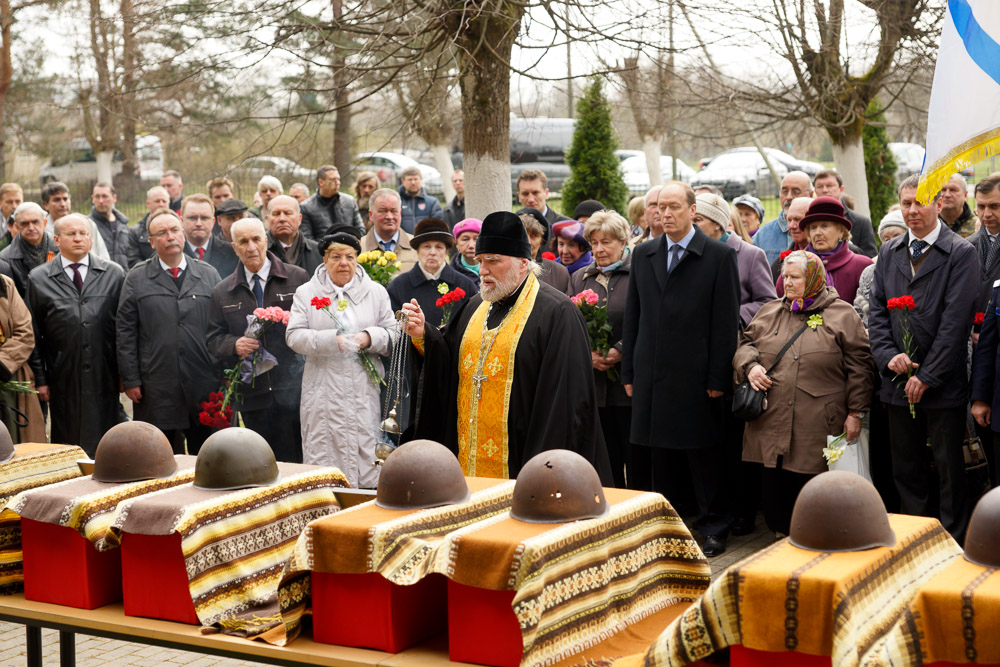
<point>173,231</point>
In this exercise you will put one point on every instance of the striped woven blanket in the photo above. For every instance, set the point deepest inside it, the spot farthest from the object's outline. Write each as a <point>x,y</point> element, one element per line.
<point>401,545</point>
<point>235,543</point>
<point>86,505</point>
<point>34,464</point>
<point>578,583</point>
<point>953,618</point>
<point>783,598</point>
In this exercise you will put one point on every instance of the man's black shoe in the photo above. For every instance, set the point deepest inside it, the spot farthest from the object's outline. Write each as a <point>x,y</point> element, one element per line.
<point>713,546</point>
<point>743,525</point>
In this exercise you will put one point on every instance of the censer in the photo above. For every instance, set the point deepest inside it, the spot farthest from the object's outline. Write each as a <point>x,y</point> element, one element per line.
<point>394,380</point>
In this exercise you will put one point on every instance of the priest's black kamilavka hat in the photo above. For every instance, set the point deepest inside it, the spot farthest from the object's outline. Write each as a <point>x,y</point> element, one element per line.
<point>503,234</point>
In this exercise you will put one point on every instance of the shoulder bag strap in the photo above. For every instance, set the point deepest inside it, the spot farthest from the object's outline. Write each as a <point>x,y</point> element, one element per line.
<point>785,348</point>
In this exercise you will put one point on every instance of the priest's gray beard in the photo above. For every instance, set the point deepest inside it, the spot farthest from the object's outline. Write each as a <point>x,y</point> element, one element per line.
<point>503,287</point>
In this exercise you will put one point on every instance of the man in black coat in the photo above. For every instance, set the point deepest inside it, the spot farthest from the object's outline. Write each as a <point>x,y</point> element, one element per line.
<point>329,207</point>
<point>533,192</point>
<point>31,247</point>
<point>111,223</point>
<point>269,402</point>
<point>680,329</point>
<point>74,302</point>
<point>939,269</point>
<point>162,329</point>
<point>198,219</point>
<point>454,212</point>
<point>286,240</point>
<point>986,241</point>
<point>424,281</point>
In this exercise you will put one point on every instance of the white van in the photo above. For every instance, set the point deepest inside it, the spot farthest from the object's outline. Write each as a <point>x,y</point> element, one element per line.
<point>77,162</point>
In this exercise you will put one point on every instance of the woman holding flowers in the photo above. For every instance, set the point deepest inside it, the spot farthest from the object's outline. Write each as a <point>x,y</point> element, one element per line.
<point>433,282</point>
<point>607,233</point>
<point>821,385</point>
<point>341,321</point>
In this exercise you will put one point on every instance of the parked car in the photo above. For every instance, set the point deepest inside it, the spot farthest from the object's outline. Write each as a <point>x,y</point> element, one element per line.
<point>389,166</point>
<point>790,162</point>
<point>910,160</point>
<point>740,172</point>
<point>625,153</point>
<point>636,176</point>
<point>77,162</point>
<point>285,170</point>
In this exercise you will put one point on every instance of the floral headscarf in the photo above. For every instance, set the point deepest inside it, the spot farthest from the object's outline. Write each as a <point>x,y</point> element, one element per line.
<point>816,279</point>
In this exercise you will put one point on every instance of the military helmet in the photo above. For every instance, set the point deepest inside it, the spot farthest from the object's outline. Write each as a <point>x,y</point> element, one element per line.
<point>6,444</point>
<point>235,458</point>
<point>982,537</point>
<point>558,486</point>
<point>421,474</point>
<point>840,511</point>
<point>133,451</point>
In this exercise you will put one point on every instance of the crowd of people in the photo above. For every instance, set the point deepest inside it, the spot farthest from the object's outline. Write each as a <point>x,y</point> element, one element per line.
<point>700,294</point>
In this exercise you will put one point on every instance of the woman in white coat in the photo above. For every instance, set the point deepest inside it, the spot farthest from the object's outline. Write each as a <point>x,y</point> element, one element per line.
<point>340,408</point>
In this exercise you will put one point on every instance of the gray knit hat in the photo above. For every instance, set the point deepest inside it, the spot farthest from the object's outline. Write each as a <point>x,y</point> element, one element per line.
<point>714,208</point>
<point>892,219</point>
<point>752,202</point>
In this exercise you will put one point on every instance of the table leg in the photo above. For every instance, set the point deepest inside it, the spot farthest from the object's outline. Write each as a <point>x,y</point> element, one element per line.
<point>33,639</point>
<point>67,649</point>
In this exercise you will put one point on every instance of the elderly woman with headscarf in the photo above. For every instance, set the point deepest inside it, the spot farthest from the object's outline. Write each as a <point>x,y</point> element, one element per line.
<point>712,215</point>
<point>829,233</point>
<point>339,313</point>
<point>821,386</point>
<point>608,233</point>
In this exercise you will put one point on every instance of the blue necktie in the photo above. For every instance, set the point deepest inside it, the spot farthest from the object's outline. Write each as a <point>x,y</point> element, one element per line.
<point>918,247</point>
<point>387,246</point>
<point>675,256</point>
<point>258,291</point>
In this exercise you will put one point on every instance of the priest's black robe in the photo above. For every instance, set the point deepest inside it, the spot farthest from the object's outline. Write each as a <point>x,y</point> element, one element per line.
<point>553,402</point>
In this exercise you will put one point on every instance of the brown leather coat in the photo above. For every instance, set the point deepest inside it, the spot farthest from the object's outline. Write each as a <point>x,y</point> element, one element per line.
<point>825,374</point>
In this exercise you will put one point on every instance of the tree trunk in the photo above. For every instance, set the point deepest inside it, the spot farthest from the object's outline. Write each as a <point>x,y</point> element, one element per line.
<point>442,160</point>
<point>128,178</point>
<point>6,74</point>
<point>651,147</point>
<point>342,120</point>
<point>485,84</point>
<point>104,166</point>
<point>849,157</point>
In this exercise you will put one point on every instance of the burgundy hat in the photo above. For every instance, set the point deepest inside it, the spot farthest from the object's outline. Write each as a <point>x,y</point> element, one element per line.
<point>432,229</point>
<point>825,208</point>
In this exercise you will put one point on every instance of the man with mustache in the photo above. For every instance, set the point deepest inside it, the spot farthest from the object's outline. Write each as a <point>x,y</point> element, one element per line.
<point>162,329</point>
<point>510,375</point>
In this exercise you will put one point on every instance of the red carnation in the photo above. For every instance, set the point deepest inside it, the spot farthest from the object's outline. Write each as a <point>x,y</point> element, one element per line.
<point>205,418</point>
<point>319,303</point>
<point>460,293</point>
<point>440,302</point>
<point>979,318</point>
<point>549,256</point>
<point>784,254</point>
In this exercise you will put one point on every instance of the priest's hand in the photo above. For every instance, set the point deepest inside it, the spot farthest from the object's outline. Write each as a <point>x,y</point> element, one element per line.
<point>415,323</point>
<point>245,346</point>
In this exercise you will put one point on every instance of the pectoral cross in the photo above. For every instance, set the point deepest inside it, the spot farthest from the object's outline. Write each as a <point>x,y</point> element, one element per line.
<point>479,380</point>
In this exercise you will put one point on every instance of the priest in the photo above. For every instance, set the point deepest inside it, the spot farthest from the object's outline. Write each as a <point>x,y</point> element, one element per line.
<point>510,375</point>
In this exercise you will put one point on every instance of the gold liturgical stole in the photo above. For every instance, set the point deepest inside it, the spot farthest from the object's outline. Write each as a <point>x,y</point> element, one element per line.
<point>485,376</point>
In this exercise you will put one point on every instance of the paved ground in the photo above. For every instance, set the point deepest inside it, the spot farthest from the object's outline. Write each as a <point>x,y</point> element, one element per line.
<point>99,652</point>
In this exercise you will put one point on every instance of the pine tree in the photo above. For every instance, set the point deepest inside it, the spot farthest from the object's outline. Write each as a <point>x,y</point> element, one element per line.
<point>595,172</point>
<point>880,165</point>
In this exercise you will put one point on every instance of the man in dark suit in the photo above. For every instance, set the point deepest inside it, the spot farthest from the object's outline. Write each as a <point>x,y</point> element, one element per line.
<point>198,218</point>
<point>162,326</point>
<point>533,192</point>
<point>986,241</point>
<point>927,387</point>
<point>269,404</point>
<point>679,337</point>
<point>74,301</point>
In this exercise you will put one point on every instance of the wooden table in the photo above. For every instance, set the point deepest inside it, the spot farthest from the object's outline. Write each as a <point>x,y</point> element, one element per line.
<point>111,622</point>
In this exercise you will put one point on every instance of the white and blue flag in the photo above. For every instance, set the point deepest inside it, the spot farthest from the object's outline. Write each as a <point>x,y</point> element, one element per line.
<point>963,119</point>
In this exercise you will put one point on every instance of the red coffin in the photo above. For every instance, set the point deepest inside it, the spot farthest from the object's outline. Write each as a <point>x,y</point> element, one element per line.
<point>368,611</point>
<point>482,628</point>
<point>62,567</point>
<point>154,578</point>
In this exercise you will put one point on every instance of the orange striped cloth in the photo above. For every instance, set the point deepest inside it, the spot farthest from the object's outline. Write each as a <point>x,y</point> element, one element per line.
<point>783,598</point>
<point>954,617</point>
<point>35,464</point>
